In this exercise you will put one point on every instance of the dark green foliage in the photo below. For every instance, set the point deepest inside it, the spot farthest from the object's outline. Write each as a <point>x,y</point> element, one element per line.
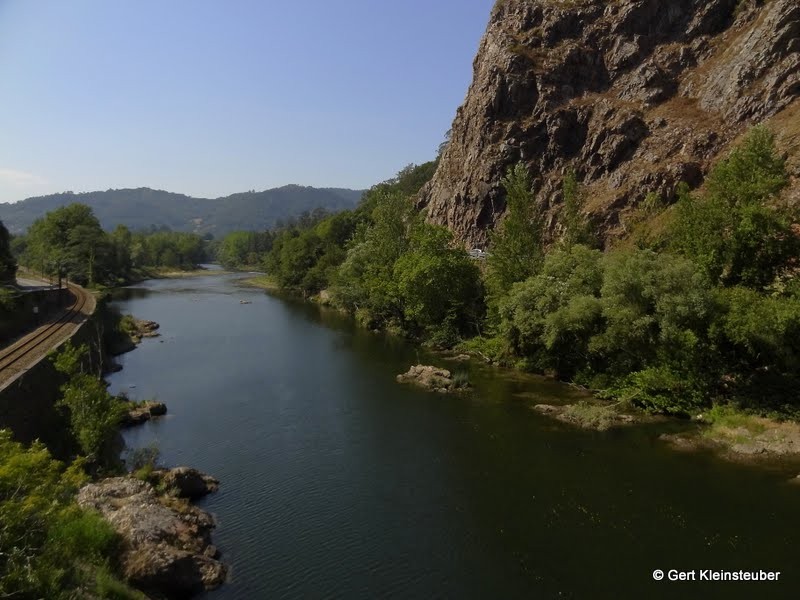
<point>675,322</point>
<point>654,305</point>
<point>758,342</point>
<point>551,317</point>
<point>365,282</point>
<point>438,285</point>
<point>672,333</point>
<point>304,256</point>
<point>168,249</point>
<point>753,172</point>
<point>94,414</point>
<point>243,248</point>
<point>636,317</point>
<point>406,183</point>
<point>69,242</point>
<point>8,264</point>
<point>352,251</point>
<point>517,247</point>
<point>733,231</point>
<point>577,228</point>
<point>661,389</point>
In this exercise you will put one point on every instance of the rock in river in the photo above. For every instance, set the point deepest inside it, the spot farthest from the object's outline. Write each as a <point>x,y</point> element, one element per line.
<point>143,412</point>
<point>166,540</point>
<point>188,482</point>
<point>430,378</point>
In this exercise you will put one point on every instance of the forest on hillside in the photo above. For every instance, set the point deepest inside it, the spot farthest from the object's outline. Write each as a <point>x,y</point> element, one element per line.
<point>699,305</point>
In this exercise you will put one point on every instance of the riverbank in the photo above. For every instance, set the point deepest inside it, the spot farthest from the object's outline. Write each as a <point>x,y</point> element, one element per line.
<point>730,433</point>
<point>739,436</point>
<point>169,273</point>
<point>166,544</point>
<point>299,414</point>
<point>166,548</point>
<point>264,282</point>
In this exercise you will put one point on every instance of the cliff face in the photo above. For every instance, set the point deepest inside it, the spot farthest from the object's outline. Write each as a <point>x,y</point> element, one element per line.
<point>634,95</point>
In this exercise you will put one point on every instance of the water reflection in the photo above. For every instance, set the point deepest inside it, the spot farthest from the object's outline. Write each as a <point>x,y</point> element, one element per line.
<point>339,483</point>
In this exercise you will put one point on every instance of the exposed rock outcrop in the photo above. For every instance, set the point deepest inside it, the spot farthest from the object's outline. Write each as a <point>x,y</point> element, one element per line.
<point>585,415</point>
<point>140,413</point>
<point>145,329</point>
<point>166,540</point>
<point>634,95</point>
<point>431,378</point>
<point>187,482</point>
<point>127,341</point>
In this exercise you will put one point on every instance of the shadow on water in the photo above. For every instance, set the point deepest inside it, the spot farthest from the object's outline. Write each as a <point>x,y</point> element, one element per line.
<point>339,483</point>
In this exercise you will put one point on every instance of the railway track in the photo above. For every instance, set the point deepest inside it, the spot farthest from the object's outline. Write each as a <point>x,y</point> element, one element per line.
<point>16,357</point>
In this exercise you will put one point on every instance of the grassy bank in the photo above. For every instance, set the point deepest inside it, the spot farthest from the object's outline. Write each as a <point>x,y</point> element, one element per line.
<point>264,282</point>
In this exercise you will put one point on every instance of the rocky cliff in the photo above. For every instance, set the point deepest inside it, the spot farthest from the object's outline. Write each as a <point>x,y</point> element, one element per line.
<point>634,95</point>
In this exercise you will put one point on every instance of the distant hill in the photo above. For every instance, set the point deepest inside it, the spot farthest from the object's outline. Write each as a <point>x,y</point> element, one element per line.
<point>143,208</point>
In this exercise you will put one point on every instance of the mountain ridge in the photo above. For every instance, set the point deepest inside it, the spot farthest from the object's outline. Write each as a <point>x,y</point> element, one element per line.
<point>144,207</point>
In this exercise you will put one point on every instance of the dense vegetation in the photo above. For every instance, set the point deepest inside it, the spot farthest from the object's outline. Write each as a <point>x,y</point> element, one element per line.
<point>8,264</point>
<point>8,273</point>
<point>69,242</point>
<point>49,546</point>
<point>704,308</point>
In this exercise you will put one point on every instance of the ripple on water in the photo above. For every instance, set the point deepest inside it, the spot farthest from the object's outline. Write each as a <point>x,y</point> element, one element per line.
<point>338,483</point>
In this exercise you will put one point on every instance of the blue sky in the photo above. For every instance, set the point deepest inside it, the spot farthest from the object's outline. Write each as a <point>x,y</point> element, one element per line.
<point>210,98</point>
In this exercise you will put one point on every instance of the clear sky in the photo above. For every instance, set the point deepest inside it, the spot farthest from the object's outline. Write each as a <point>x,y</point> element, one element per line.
<point>210,98</point>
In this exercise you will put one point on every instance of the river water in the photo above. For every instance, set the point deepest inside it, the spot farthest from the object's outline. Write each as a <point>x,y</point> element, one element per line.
<point>337,482</point>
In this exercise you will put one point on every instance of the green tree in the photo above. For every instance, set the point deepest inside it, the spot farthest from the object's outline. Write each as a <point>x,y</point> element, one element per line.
<point>438,285</point>
<point>366,280</point>
<point>94,414</point>
<point>576,225</point>
<point>61,242</point>
<point>733,231</point>
<point>8,264</point>
<point>517,246</point>
<point>550,318</point>
<point>656,309</point>
<point>120,257</point>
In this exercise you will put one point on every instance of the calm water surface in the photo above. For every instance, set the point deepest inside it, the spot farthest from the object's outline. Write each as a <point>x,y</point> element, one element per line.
<point>339,483</point>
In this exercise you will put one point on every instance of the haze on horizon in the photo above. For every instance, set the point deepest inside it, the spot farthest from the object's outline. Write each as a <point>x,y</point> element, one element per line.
<point>208,98</point>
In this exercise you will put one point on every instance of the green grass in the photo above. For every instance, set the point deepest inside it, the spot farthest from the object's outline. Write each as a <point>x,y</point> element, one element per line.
<point>108,586</point>
<point>266,282</point>
<point>731,418</point>
<point>127,325</point>
<point>590,416</point>
<point>494,349</point>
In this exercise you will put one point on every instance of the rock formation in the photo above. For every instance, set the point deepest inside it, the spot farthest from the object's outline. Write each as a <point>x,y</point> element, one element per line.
<point>634,95</point>
<point>141,413</point>
<point>187,482</point>
<point>431,378</point>
<point>166,540</point>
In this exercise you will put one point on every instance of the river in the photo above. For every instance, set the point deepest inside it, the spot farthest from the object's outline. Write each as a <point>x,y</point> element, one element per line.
<point>337,482</point>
